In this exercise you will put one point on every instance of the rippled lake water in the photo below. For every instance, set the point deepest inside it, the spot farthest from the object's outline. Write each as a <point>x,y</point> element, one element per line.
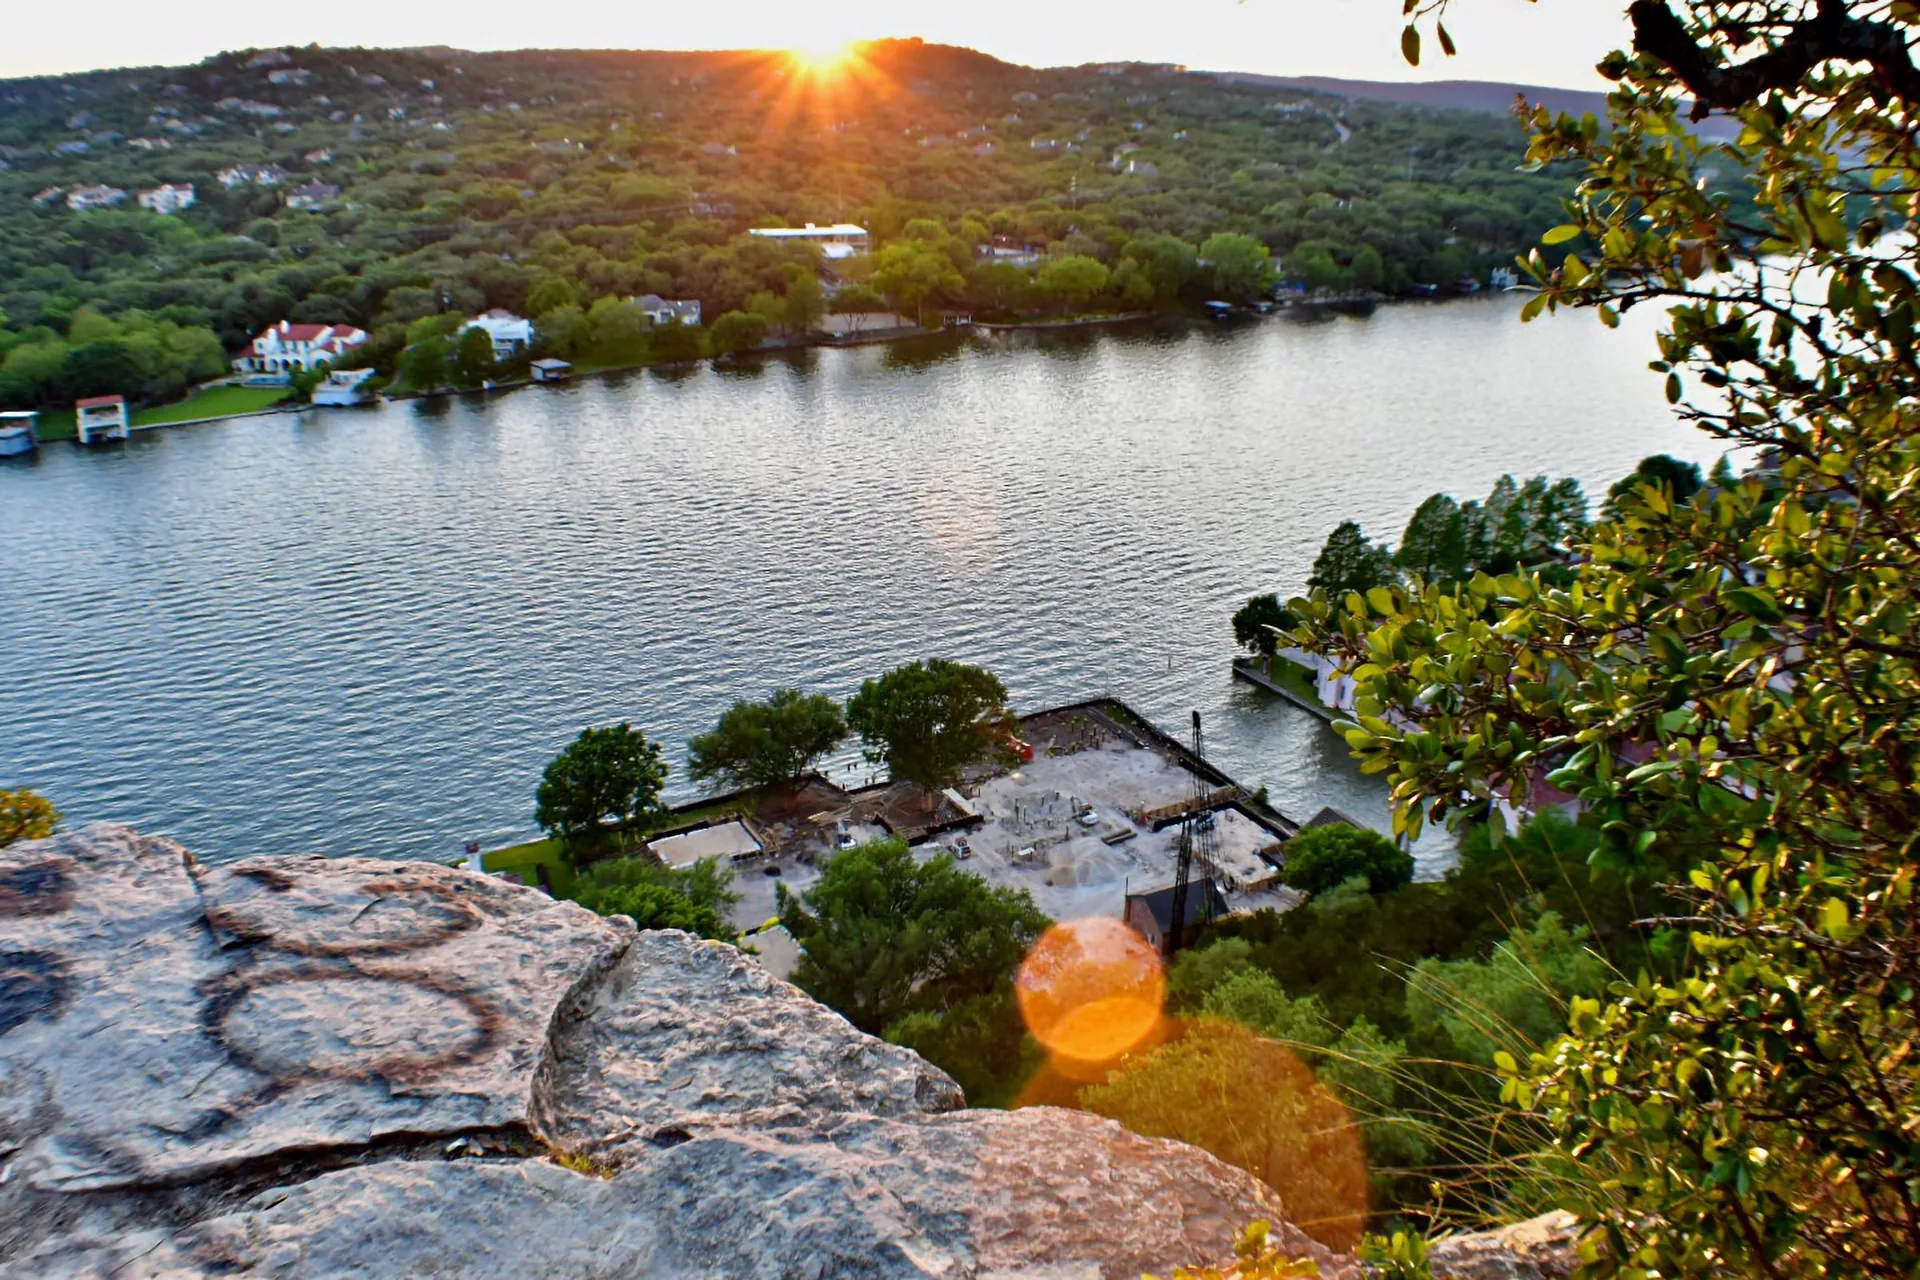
<point>366,631</point>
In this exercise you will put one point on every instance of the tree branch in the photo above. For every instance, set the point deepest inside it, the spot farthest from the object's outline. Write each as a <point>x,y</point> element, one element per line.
<point>1829,35</point>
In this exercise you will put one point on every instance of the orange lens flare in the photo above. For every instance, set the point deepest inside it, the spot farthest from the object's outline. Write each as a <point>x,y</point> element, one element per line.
<point>1090,990</point>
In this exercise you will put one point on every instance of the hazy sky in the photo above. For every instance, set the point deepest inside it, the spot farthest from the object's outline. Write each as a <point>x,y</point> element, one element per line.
<point>1553,42</point>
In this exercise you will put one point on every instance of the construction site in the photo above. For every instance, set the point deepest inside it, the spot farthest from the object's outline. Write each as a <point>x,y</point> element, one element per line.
<point>1090,817</point>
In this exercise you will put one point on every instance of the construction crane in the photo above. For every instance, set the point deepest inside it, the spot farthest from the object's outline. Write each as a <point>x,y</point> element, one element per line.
<point>1197,843</point>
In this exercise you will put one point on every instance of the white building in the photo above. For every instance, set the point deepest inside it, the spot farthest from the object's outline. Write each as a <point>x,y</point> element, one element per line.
<point>661,310</point>
<point>311,195</point>
<point>80,199</point>
<point>258,175</point>
<point>344,387</point>
<point>284,348</point>
<point>510,333</point>
<point>101,418</point>
<point>167,198</point>
<point>841,240</point>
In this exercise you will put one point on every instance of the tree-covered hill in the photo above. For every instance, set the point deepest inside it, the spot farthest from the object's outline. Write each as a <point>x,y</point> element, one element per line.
<point>466,180</point>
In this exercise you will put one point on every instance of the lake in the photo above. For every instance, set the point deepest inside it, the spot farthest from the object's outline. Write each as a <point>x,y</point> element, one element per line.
<point>366,631</point>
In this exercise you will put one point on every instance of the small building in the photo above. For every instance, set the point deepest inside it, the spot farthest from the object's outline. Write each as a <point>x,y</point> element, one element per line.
<point>1151,914</point>
<point>841,240</point>
<point>17,432</point>
<point>1503,278</point>
<point>167,198</point>
<point>728,841</point>
<point>254,175</point>
<point>47,195</point>
<point>311,195</point>
<point>661,310</point>
<point>80,199</point>
<point>840,326</point>
<point>511,334</point>
<point>343,387</point>
<point>282,349</point>
<point>100,418</point>
<point>551,370</point>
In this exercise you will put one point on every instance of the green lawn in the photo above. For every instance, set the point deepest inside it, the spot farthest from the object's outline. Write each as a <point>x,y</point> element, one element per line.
<point>1294,678</point>
<point>524,858</point>
<point>213,402</point>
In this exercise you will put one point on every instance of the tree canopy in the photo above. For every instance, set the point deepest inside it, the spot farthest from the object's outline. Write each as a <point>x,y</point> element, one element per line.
<point>25,815</point>
<point>770,743</point>
<point>929,720</point>
<point>606,779</point>
<point>1348,562</point>
<point>1322,858</point>
<point>1258,622</point>
<point>695,899</point>
<point>883,935</point>
<point>1735,675</point>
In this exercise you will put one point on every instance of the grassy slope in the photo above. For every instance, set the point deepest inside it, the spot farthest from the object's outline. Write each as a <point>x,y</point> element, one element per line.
<point>214,402</point>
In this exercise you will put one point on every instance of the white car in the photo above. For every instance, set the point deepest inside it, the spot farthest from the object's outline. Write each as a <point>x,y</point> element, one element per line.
<point>1088,818</point>
<point>846,840</point>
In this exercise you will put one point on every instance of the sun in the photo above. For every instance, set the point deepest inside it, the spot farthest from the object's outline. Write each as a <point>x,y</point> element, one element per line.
<point>825,60</point>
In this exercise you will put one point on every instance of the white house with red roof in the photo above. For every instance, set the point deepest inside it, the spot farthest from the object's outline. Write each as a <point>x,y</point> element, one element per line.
<point>282,349</point>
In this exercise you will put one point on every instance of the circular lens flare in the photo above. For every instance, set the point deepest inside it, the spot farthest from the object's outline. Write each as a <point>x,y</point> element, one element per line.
<point>1090,990</point>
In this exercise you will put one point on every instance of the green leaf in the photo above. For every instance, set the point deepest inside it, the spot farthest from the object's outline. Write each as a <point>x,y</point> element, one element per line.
<point>1560,234</point>
<point>1833,918</point>
<point>1755,603</point>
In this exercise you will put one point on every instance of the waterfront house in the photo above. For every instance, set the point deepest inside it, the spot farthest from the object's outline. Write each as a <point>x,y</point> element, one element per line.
<point>1503,278</point>
<point>841,326</point>
<point>342,387</point>
<point>167,198</point>
<point>17,433</point>
<point>841,240</point>
<point>81,199</point>
<point>511,334</point>
<point>551,370</point>
<point>1151,914</point>
<point>100,418</point>
<point>661,310</point>
<point>280,350</point>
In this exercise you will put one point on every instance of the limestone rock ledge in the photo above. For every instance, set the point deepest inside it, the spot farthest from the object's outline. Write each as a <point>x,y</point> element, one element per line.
<point>327,1067</point>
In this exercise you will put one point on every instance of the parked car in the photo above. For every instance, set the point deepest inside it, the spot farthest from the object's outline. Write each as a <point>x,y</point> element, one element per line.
<point>1088,818</point>
<point>961,848</point>
<point>846,840</point>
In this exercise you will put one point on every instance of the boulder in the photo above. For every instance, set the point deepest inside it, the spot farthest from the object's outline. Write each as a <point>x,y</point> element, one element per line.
<point>313,1067</point>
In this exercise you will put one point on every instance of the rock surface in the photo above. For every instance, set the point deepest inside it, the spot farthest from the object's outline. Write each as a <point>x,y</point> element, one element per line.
<point>1542,1248</point>
<point>310,1067</point>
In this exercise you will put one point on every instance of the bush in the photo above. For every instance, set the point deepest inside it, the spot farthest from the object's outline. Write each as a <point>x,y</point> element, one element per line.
<point>1320,858</point>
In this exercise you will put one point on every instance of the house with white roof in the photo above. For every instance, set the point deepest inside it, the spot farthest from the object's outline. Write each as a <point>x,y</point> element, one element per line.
<point>257,175</point>
<point>661,310</point>
<point>841,240</point>
<point>80,199</point>
<point>167,198</point>
<point>511,334</point>
<point>281,350</point>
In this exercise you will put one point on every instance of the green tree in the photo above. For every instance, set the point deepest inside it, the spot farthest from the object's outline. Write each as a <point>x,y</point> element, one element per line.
<point>883,935</point>
<point>695,899</point>
<point>1515,1001</point>
<point>806,302</point>
<point>768,744</point>
<point>929,720</point>
<point>1242,267</point>
<point>981,1041</point>
<point>1258,622</point>
<point>473,357</point>
<point>607,779</point>
<point>674,343</point>
<point>1321,858</point>
<point>426,364</point>
<point>1367,270</point>
<point>551,294</point>
<point>1434,545</point>
<point>736,331</point>
<point>1167,262</point>
<point>911,274</point>
<point>1739,673</point>
<point>25,815</point>
<point>1074,281</point>
<point>1348,562</point>
<point>1681,480</point>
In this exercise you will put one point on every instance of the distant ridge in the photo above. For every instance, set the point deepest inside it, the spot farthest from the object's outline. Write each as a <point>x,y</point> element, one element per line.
<point>1464,95</point>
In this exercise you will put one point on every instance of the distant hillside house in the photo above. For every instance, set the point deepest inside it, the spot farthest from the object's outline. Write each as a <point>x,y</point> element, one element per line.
<point>282,349</point>
<point>320,156</point>
<point>80,199</point>
<point>311,195</point>
<point>150,144</point>
<point>255,175</point>
<point>511,334</point>
<point>661,310</point>
<point>47,196</point>
<point>841,240</point>
<point>167,198</point>
<point>289,75</point>
<point>74,148</point>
